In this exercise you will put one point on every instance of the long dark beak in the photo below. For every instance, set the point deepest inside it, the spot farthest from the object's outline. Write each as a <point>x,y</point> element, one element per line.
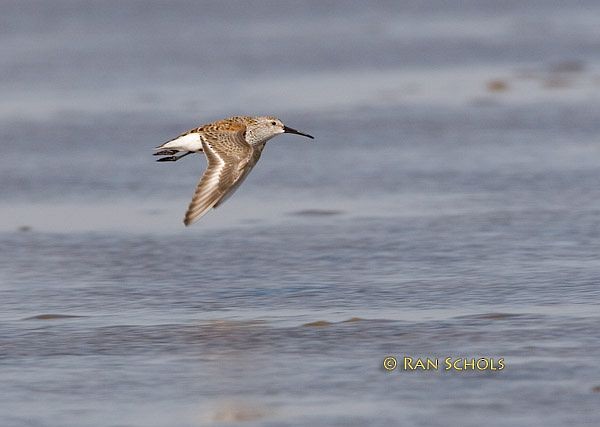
<point>290,130</point>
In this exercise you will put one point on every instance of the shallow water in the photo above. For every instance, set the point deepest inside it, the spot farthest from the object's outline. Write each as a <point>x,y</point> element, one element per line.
<point>435,215</point>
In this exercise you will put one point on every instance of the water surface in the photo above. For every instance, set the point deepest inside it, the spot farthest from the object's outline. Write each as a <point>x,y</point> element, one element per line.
<point>449,207</point>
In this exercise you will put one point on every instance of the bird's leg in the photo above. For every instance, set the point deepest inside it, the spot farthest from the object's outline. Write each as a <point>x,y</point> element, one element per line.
<point>166,152</point>
<point>173,158</point>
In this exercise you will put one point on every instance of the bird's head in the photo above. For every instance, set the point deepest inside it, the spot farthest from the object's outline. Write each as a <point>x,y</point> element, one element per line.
<point>263,128</point>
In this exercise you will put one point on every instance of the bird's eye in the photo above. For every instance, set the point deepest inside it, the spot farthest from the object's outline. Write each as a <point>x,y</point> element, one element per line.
<point>274,123</point>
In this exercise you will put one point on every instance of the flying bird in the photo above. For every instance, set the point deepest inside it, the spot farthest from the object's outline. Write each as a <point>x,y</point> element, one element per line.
<point>232,148</point>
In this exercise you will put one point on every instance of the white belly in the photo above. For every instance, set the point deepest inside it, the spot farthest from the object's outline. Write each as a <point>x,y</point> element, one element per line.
<point>189,142</point>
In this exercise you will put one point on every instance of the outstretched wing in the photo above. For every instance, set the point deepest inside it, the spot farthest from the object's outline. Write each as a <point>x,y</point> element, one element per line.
<point>257,151</point>
<point>229,159</point>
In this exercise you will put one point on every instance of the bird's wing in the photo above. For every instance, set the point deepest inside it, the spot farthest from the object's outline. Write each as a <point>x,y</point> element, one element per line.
<point>253,160</point>
<point>229,159</point>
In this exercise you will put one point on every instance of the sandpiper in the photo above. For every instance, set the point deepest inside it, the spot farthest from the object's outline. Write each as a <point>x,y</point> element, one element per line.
<point>232,147</point>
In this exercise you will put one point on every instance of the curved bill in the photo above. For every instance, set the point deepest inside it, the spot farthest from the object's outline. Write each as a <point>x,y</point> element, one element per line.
<point>290,130</point>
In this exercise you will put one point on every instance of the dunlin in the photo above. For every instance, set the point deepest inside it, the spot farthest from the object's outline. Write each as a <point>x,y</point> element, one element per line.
<point>232,147</point>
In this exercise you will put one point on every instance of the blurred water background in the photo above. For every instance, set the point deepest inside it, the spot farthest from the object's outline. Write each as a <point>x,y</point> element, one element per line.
<point>449,206</point>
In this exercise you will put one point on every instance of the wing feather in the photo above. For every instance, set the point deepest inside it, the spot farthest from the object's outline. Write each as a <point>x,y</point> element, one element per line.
<point>228,156</point>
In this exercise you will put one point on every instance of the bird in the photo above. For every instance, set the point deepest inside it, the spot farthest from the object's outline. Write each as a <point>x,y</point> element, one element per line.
<point>232,147</point>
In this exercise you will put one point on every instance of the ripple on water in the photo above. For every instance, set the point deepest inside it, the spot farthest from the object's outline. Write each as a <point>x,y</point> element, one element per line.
<point>53,317</point>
